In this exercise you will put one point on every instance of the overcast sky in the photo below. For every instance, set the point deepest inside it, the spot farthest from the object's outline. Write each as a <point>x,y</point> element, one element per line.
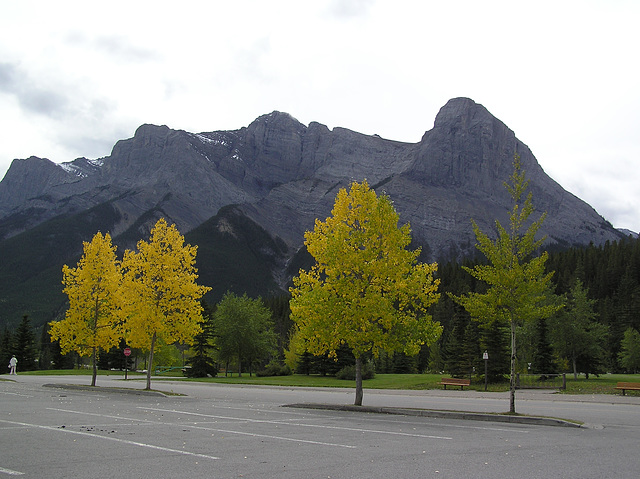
<point>75,77</point>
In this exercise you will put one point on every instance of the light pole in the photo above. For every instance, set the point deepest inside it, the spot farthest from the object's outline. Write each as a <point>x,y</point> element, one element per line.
<point>485,356</point>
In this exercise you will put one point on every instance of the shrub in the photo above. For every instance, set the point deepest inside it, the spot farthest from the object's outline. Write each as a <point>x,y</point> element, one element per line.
<point>201,368</point>
<point>274,368</point>
<point>349,372</point>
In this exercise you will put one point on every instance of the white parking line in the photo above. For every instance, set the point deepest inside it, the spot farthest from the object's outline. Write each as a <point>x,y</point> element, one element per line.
<point>286,423</point>
<point>164,423</point>
<point>10,472</point>
<point>115,439</point>
<point>455,426</point>
<point>15,394</point>
<point>124,418</point>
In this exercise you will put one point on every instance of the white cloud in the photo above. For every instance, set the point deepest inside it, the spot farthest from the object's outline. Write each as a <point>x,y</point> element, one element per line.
<point>76,77</point>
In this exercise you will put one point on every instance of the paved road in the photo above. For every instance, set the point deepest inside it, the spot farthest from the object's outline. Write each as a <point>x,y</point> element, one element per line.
<point>219,431</point>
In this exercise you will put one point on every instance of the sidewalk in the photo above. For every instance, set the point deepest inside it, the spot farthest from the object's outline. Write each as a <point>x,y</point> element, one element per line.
<point>522,395</point>
<point>474,416</point>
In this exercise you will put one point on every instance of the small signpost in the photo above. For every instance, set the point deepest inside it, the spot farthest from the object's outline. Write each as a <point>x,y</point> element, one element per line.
<point>127,353</point>
<point>485,356</point>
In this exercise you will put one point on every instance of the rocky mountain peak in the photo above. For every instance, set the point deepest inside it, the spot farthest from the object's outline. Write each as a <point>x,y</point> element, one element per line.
<point>469,148</point>
<point>280,176</point>
<point>278,120</point>
<point>273,143</point>
<point>27,179</point>
<point>461,111</point>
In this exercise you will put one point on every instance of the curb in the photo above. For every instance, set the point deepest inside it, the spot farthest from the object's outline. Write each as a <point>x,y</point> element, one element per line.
<point>539,421</point>
<point>78,387</point>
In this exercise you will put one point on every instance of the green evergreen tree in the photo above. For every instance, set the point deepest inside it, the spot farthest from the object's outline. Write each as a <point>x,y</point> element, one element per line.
<point>454,362</point>
<point>305,365</point>
<point>576,335</point>
<point>384,363</point>
<point>25,345</point>
<point>629,355</point>
<point>422,360</point>
<point>495,341</point>
<point>45,356</point>
<point>62,361</point>
<point>472,356</point>
<point>527,343</point>
<point>436,362</point>
<point>543,358</point>
<point>6,348</point>
<point>404,364</point>
<point>202,362</point>
<point>281,317</point>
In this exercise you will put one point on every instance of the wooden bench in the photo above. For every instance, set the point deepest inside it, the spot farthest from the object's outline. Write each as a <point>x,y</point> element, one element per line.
<point>629,386</point>
<point>454,382</point>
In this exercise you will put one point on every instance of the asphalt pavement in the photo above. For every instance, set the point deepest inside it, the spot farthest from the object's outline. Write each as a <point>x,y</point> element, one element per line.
<point>60,427</point>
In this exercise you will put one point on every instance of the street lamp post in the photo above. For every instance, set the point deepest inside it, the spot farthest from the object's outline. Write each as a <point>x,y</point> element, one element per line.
<point>485,356</point>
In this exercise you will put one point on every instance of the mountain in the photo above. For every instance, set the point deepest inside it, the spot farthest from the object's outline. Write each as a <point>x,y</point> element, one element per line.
<point>247,196</point>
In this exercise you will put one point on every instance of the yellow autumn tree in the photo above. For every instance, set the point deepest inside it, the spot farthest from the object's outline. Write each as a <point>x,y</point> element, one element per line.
<point>160,293</point>
<point>91,322</point>
<point>366,290</point>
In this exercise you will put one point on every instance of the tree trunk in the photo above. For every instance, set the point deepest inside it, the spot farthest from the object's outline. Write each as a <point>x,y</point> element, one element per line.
<point>358,381</point>
<point>153,343</point>
<point>94,356</point>
<point>512,379</point>
<point>575,369</point>
<point>94,350</point>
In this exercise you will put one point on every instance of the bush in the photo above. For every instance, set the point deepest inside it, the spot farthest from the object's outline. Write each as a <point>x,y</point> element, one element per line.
<point>349,372</point>
<point>274,368</point>
<point>201,368</point>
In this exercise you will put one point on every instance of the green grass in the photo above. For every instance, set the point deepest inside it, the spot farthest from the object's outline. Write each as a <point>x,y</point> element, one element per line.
<point>78,372</point>
<point>604,384</point>
<point>381,381</point>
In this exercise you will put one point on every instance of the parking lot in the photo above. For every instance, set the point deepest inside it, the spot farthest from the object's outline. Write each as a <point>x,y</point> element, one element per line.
<point>225,432</point>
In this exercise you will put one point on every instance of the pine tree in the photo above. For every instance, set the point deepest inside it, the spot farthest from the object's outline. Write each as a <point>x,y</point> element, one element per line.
<point>202,362</point>
<point>543,358</point>
<point>494,339</point>
<point>576,335</point>
<point>6,347</point>
<point>455,355</point>
<point>45,357</point>
<point>25,345</point>
<point>629,355</point>
<point>280,314</point>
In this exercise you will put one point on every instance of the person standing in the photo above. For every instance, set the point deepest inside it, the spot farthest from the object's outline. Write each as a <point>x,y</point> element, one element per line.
<point>13,362</point>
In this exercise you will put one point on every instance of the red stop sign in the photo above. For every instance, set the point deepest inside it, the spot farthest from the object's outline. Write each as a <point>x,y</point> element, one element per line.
<point>127,351</point>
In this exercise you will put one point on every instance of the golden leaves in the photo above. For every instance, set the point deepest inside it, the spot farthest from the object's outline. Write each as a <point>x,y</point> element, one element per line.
<point>365,289</point>
<point>151,291</point>
<point>92,288</point>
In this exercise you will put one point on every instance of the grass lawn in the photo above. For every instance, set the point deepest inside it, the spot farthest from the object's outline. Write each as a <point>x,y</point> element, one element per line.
<point>79,372</point>
<point>604,384</point>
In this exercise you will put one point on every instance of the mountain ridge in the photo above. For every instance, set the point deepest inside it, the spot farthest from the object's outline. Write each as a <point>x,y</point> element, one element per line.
<point>280,176</point>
